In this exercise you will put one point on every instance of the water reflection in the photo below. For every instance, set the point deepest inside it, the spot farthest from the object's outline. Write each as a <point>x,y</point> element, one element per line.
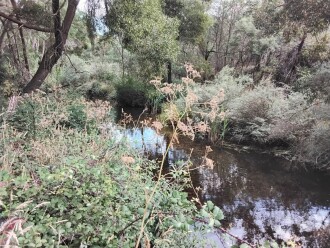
<point>261,196</point>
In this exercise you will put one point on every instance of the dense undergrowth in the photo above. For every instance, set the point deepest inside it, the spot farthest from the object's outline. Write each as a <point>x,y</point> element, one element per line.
<point>233,108</point>
<point>67,181</point>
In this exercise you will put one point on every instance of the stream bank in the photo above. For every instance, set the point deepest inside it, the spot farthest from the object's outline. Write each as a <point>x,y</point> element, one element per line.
<point>262,197</point>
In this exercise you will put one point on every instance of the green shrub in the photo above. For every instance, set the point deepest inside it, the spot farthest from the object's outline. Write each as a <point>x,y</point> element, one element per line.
<point>77,117</point>
<point>315,81</point>
<point>73,72</point>
<point>100,90</point>
<point>256,114</point>
<point>315,148</point>
<point>73,188</point>
<point>85,74</point>
<point>25,117</point>
<point>134,93</point>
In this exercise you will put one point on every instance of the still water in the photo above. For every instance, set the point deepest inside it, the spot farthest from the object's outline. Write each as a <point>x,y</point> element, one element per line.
<point>261,196</point>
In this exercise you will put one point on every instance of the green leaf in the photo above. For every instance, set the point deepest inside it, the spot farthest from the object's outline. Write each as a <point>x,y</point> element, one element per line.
<point>274,244</point>
<point>220,215</point>
<point>210,205</point>
<point>141,211</point>
<point>204,213</point>
<point>217,223</point>
<point>182,217</point>
<point>244,246</point>
<point>68,224</point>
<point>216,211</point>
<point>211,222</point>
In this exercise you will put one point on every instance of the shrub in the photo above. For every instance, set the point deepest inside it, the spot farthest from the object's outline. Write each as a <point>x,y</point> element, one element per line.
<point>135,93</point>
<point>72,188</point>
<point>74,72</point>
<point>316,81</point>
<point>25,117</point>
<point>94,79</point>
<point>77,117</point>
<point>315,148</point>
<point>259,114</point>
<point>99,90</point>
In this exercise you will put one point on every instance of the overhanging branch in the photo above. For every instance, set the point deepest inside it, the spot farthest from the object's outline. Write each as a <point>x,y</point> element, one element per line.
<point>26,25</point>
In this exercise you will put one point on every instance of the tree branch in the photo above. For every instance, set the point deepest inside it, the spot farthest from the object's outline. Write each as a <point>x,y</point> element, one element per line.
<point>26,25</point>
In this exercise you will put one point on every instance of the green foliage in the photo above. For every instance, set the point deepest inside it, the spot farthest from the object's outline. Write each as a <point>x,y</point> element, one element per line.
<point>78,36</point>
<point>146,31</point>
<point>315,81</point>
<point>3,70</point>
<point>309,15</point>
<point>314,149</point>
<point>25,117</point>
<point>94,79</point>
<point>99,90</point>
<point>259,114</point>
<point>71,188</point>
<point>35,12</point>
<point>192,16</point>
<point>135,93</point>
<point>77,117</point>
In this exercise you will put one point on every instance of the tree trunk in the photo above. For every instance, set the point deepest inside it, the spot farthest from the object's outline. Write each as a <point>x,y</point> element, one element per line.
<point>287,70</point>
<point>6,26</point>
<point>21,34</point>
<point>12,49</point>
<point>54,52</point>
<point>169,72</point>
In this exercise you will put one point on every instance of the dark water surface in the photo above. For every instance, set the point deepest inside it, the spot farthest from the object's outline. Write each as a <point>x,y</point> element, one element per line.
<point>262,197</point>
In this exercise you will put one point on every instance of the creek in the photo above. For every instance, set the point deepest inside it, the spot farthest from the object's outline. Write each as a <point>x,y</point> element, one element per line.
<point>261,195</point>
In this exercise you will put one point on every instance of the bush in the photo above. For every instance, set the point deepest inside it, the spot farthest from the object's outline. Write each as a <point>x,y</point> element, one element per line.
<point>77,117</point>
<point>316,81</point>
<point>99,90</point>
<point>33,113</point>
<point>73,188</point>
<point>25,117</point>
<point>135,93</point>
<point>258,114</point>
<point>73,73</point>
<point>93,79</point>
<point>315,148</point>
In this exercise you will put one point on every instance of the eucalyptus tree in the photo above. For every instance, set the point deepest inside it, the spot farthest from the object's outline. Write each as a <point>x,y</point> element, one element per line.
<point>299,19</point>
<point>144,30</point>
<point>193,23</point>
<point>154,30</point>
<point>293,21</point>
<point>226,13</point>
<point>44,17</point>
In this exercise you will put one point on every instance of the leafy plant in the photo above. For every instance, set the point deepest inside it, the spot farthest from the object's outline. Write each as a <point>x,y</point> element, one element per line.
<point>24,118</point>
<point>70,187</point>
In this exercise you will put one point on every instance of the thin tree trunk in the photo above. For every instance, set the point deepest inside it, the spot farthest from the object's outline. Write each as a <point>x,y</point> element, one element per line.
<point>122,61</point>
<point>15,43</point>
<point>227,44</point>
<point>6,26</point>
<point>169,72</point>
<point>219,42</point>
<point>54,52</point>
<point>26,61</point>
<point>11,47</point>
